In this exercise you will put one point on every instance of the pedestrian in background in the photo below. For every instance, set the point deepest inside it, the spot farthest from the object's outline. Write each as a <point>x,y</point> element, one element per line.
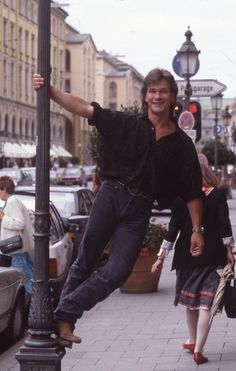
<point>15,220</point>
<point>142,156</point>
<point>197,277</point>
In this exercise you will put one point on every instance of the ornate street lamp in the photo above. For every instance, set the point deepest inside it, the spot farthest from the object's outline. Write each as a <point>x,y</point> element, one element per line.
<point>216,103</point>
<point>226,116</point>
<point>188,57</point>
<point>40,351</point>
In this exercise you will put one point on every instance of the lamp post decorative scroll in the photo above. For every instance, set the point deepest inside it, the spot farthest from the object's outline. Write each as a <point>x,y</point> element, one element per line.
<point>188,57</point>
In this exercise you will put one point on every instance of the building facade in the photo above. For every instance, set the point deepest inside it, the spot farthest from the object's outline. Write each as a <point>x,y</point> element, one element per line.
<point>80,70</point>
<point>77,67</point>
<point>18,63</point>
<point>117,83</point>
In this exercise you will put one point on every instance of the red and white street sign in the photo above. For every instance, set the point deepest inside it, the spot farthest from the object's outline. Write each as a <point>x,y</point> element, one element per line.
<point>186,120</point>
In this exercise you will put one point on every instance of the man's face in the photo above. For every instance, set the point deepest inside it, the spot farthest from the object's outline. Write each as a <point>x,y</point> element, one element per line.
<point>159,98</point>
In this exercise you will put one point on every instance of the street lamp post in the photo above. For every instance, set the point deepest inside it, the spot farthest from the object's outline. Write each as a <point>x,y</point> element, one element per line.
<point>226,116</point>
<point>188,57</point>
<point>216,102</point>
<point>40,351</point>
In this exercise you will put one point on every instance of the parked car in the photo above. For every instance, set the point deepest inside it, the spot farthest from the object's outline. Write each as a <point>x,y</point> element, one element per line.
<point>20,176</point>
<point>60,246</point>
<point>53,177</point>
<point>73,203</point>
<point>12,303</point>
<point>70,176</point>
<point>89,169</point>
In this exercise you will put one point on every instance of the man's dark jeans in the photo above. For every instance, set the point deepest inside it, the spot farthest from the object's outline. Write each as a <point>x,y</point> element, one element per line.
<point>118,217</point>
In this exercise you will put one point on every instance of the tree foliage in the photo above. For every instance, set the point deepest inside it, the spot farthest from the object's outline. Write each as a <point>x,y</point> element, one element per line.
<point>225,156</point>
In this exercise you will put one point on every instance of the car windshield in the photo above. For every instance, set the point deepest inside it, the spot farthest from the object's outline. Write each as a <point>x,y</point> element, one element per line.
<point>31,171</point>
<point>65,203</point>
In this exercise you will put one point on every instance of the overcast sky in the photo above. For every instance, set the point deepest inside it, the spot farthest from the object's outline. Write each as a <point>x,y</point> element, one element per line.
<point>147,33</point>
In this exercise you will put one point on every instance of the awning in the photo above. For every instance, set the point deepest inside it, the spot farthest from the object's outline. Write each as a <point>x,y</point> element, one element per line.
<point>60,151</point>
<point>15,150</point>
<point>30,148</point>
<point>66,153</point>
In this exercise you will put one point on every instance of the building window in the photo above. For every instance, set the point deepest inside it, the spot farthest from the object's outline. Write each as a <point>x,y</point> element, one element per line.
<point>26,43</point>
<point>33,46</point>
<point>13,127</point>
<point>20,39</point>
<point>67,86</point>
<point>13,41</point>
<point>61,61</point>
<point>26,8</point>
<point>20,81</point>
<point>27,83</point>
<point>53,132</point>
<point>60,132</point>
<point>5,32</point>
<point>112,90</point>
<point>6,125</point>
<point>13,79</point>
<point>33,130</point>
<point>5,76</point>
<point>55,56</point>
<point>113,106</point>
<point>26,129</point>
<point>20,128</point>
<point>68,63</point>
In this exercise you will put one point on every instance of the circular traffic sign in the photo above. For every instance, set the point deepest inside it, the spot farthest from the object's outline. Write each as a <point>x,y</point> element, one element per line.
<point>217,129</point>
<point>186,120</point>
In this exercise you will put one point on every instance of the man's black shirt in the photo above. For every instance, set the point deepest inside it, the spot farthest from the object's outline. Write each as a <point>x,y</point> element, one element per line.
<point>163,169</point>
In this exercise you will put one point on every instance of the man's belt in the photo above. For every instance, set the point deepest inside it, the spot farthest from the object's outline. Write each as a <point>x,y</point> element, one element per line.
<point>133,190</point>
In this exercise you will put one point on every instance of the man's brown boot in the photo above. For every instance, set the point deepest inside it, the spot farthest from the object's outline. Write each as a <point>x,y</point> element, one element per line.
<point>65,331</point>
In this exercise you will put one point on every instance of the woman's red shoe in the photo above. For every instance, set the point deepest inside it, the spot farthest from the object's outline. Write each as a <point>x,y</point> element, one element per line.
<point>199,358</point>
<point>189,347</point>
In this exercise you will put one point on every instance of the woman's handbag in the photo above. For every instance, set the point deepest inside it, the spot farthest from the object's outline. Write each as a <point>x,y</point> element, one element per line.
<point>230,298</point>
<point>11,244</point>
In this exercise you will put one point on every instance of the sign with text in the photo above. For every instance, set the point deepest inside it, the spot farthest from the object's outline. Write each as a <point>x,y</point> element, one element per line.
<point>201,88</point>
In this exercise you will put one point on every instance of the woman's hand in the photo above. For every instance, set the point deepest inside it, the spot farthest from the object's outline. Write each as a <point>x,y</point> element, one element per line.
<point>230,255</point>
<point>1,215</point>
<point>157,265</point>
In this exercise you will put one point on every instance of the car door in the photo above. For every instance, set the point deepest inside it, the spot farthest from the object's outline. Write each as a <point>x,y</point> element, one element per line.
<point>85,202</point>
<point>10,280</point>
<point>61,246</point>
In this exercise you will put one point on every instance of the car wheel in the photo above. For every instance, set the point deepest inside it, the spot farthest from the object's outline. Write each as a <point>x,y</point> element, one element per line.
<point>16,327</point>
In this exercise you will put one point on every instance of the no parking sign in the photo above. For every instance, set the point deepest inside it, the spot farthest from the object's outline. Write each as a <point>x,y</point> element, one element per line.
<point>186,120</point>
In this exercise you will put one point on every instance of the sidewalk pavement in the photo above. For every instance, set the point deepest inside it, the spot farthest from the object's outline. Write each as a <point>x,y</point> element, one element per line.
<point>143,332</point>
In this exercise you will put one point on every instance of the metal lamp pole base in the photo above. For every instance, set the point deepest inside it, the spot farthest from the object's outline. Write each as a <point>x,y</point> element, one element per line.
<point>40,359</point>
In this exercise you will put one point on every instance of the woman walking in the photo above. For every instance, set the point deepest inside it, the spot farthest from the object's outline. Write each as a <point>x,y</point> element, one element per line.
<point>197,277</point>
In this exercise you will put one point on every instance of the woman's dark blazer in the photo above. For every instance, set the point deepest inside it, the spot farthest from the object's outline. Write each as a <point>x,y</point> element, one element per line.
<point>216,225</point>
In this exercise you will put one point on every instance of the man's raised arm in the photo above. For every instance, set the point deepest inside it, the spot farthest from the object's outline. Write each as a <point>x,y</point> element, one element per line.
<point>68,101</point>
